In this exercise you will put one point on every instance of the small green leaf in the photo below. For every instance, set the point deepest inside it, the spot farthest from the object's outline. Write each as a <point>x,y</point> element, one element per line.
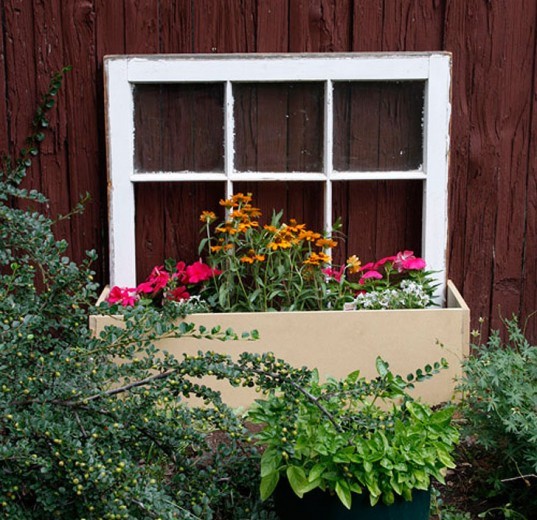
<point>344,493</point>
<point>382,367</point>
<point>297,479</point>
<point>268,485</point>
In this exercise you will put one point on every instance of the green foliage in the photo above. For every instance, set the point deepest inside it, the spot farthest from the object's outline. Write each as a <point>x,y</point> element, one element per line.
<point>500,412</point>
<point>443,511</point>
<point>285,267</point>
<point>97,427</point>
<point>353,436</point>
<point>266,268</point>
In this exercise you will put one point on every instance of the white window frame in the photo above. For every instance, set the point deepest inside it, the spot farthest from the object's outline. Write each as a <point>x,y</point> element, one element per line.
<point>122,73</point>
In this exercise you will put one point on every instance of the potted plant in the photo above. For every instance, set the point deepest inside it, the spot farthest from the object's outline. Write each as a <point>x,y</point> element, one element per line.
<point>352,448</point>
<point>338,315</point>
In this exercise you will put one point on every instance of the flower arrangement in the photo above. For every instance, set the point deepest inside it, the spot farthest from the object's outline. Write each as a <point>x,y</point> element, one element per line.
<point>280,266</point>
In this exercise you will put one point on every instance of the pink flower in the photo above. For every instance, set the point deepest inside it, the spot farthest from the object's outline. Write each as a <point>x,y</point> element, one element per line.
<point>200,272</point>
<point>178,294</point>
<point>369,265</point>
<point>382,261</point>
<point>180,272</point>
<point>370,275</point>
<point>336,274</point>
<point>406,261</point>
<point>156,281</point>
<point>414,264</point>
<point>124,295</point>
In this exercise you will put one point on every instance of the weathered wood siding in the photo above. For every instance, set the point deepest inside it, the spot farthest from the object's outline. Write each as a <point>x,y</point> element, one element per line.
<point>493,188</point>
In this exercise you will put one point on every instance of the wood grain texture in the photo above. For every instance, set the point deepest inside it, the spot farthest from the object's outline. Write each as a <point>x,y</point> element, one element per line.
<point>492,187</point>
<point>494,48</point>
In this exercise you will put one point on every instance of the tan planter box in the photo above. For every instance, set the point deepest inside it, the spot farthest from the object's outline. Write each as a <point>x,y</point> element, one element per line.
<point>339,342</point>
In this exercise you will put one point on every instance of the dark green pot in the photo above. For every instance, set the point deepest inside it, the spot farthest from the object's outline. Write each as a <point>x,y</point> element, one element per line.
<point>319,505</point>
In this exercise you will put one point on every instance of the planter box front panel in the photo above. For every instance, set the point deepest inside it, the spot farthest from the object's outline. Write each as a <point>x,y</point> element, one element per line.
<point>339,342</point>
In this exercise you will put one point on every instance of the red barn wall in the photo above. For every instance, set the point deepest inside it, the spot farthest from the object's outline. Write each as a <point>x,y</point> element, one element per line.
<point>492,188</point>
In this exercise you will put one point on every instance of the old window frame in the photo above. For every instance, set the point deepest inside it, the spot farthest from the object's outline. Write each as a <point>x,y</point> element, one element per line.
<point>122,73</point>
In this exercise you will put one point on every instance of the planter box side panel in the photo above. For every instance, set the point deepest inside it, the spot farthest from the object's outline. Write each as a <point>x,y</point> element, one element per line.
<point>338,343</point>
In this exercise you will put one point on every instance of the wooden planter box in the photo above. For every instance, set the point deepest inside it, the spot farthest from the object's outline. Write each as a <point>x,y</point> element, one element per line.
<point>339,342</point>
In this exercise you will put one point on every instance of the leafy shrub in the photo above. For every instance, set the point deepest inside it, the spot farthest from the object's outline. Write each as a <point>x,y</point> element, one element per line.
<point>500,411</point>
<point>83,436</point>
<point>354,436</point>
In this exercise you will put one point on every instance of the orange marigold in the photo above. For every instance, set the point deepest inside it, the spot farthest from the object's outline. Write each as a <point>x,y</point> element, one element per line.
<point>310,236</point>
<point>251,211</point>
<point>241,198</point>
<point>353,264</point>
<point>326,242</point>
<point>317,259</point>
<point>207,216</point>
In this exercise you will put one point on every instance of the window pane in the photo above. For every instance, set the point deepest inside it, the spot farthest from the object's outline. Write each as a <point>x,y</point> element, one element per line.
<point>378,126</point>
<point>167,220</point>
<point>379,218</point>
<point>179,127</point>
<point>302,201</point>
<point>279,127</point>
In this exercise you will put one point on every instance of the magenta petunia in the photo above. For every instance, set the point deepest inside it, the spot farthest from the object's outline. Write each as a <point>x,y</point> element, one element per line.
<point>406,261</point>
<point>382,261</point>
<point>414,264</point>
<point>180,272</point>
<point>336,274</point>
<point>200,272</point>
<point>124,296</point>
<point>375,275</point>
<point>156,281</point>
<point>178,294</point>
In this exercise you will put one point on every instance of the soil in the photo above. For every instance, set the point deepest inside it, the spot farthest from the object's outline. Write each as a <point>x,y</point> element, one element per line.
<point>465,488</point>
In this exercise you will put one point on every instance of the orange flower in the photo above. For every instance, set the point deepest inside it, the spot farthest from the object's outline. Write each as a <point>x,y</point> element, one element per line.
<point>317,259</point>
<point>353,264</point>
<point>239,198</point>
<point>228,228</point>
<point>243,226</point>
<point>216,249</point>
<point>229,203</point>
<point>252,257</point>
<point>309,236</point>
<point>251,211</point>
<point>326,242</point>
<point>207,216</point>
<point>238,214</point>
<point>271,229</point>
<point>294,227</point>
<point>279,243</point>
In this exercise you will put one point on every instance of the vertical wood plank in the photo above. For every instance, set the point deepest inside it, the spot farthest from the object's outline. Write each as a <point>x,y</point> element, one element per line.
<point>53,157</point>
<point>4,136</point>
<point>224,26</point>
<point>176,32</point>
<point>272,26</point>
<point>413,25</point>
<point>529,268</point>
<point>495,49</point>
<point>141,26</point>
<point>22,94</point>
<point>319,25</point>
<point>514,48</point>
<point>78,32</point>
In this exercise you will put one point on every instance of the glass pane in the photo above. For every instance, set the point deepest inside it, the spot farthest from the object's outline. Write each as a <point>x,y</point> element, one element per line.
<point>167,220</point>
<point>378,126</point>
<point>279,127</point>
<point>302,201</point>
<point>179,127</point>
<point>379,218</point>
